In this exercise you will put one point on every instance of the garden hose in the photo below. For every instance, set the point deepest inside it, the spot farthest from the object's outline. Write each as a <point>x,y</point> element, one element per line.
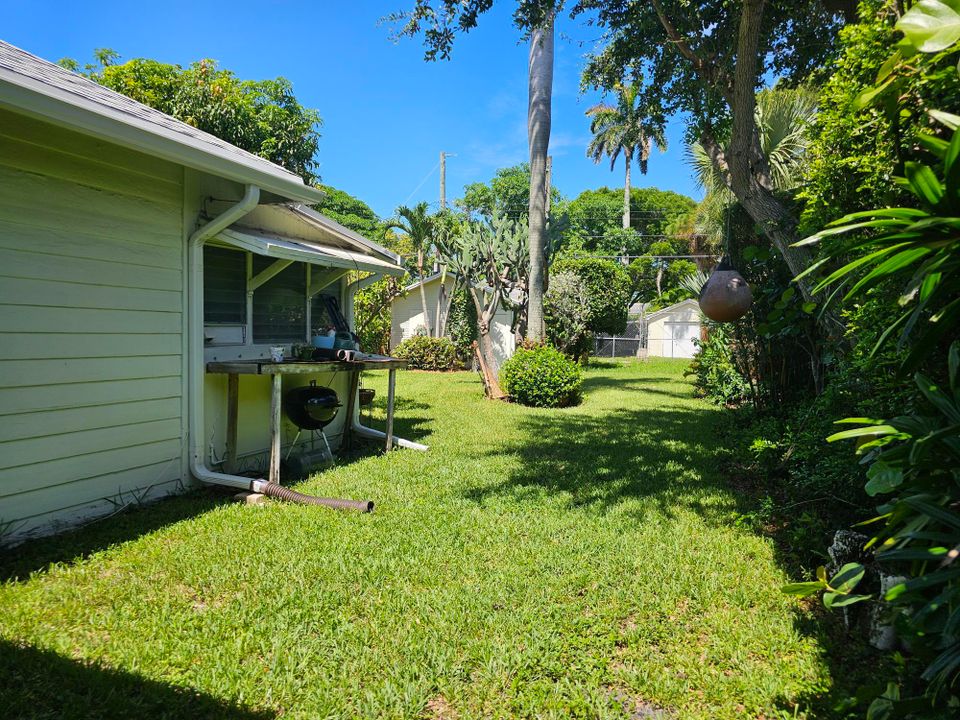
<point>281,493</point>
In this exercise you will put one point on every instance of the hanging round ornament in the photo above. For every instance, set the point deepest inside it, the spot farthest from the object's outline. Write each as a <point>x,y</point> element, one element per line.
<point>726,296</point>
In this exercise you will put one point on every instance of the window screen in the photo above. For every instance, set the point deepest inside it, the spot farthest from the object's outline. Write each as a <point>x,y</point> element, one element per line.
<point>279,306</point>
<point>224,286</point>
<point>325,312</point>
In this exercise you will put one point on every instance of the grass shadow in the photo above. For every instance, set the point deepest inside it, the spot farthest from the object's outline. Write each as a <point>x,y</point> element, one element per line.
<point>43,684</point>
<point>133,522</point>
<point>666,458</point>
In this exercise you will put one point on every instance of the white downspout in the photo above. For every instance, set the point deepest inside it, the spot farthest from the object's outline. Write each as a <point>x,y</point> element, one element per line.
<point>197,372</point>
<point>355,425</point>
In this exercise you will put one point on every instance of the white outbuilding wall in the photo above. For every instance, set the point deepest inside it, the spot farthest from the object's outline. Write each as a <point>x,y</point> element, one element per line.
<point>407,317</point>
<point>671,332</point>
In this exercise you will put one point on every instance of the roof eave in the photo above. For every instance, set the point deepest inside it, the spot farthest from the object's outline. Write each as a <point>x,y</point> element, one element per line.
<point>346,233</point>
<point>66,110</point>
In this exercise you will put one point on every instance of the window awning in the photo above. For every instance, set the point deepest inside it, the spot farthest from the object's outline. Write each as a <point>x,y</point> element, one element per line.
<point>308,252</point>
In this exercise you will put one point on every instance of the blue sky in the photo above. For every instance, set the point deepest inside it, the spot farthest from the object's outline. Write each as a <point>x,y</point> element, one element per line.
<point>387,113</point>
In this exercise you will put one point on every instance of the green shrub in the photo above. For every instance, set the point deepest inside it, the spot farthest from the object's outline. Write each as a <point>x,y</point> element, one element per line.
<point>462,324</point>
<point>541,376</point>
<point>715,376</point>
<point>427,353</point>
<point>566,307</point>
<point>608,291</point>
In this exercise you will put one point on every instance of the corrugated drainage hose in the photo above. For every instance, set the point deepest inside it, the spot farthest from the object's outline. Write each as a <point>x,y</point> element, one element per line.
<point>281,493</point>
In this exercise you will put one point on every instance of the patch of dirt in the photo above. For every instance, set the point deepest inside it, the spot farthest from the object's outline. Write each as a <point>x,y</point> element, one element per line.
<point>439,708</point>
<point>638,708</point>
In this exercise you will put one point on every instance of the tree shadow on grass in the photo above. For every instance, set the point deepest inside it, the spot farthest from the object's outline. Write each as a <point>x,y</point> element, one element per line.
<point>133,522</point>
<point>42,684</point>
<point>664,458</point>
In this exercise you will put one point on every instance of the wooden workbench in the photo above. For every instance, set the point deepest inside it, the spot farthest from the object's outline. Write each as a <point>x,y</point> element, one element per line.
<point>233,370</point>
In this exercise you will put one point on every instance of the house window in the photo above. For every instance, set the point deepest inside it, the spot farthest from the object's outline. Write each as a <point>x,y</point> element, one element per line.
<point>224,286</point>
<point>279,306</point>
<point>325,313</point>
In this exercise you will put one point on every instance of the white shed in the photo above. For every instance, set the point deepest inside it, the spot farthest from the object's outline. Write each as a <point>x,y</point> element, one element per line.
<point>407,317</point>
<point>122,282</point>
<point>672,330</point>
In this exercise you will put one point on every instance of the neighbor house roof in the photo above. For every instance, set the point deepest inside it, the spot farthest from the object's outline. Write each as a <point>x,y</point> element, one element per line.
<point>673,308</point>
<point>31,85</point>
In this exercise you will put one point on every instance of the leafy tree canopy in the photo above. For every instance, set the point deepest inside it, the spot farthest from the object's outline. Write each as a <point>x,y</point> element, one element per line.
<point>595,218</point>
<point>507,193</point>
<point>607,290</point>
<point>260,116</point>
<point>350,212</point>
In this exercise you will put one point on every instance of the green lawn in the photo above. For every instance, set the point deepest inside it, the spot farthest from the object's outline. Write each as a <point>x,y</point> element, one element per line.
<point>573,563</point>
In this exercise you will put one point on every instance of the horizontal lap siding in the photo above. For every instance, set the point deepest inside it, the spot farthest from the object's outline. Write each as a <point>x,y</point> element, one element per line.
<point>91,322</point>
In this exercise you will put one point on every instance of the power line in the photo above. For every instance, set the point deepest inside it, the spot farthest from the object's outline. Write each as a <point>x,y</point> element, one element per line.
<point>425,178</point>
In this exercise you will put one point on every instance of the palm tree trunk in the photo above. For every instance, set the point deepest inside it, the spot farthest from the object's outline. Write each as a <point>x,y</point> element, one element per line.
<point>423,293</point>
<point>628,159</point>
<point>538,132</point>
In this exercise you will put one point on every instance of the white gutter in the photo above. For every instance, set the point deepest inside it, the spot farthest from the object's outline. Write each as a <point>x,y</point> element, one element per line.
<point>355,425</point>
<point>197,366</point>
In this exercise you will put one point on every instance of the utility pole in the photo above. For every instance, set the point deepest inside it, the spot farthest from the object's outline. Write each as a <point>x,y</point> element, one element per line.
<point>443,180</point>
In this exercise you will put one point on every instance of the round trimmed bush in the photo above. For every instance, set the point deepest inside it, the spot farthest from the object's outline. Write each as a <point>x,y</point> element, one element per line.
<point>541,376</point>
<point>427,353</point>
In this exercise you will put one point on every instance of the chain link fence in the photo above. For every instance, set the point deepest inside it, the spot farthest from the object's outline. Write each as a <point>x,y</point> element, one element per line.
<point>630,344</point>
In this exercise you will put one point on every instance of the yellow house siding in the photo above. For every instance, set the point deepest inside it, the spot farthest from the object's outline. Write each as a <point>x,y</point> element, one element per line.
<point>91,326</point>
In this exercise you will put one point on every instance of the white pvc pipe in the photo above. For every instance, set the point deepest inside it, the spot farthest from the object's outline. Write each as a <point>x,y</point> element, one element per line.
<point>355,425</point>
<point>197,366</point>
<point>369,432</point>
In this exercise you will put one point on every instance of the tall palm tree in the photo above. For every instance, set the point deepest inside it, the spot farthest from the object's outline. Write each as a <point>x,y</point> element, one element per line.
<point>623,129</point>
<point>539,118</point>
<point>418,226</point>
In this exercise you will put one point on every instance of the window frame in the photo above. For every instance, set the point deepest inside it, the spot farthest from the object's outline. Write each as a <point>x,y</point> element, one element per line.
<point>318,280</point>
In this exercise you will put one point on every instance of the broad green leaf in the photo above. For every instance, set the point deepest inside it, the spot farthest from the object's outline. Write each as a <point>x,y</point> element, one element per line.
<point>874,430</point>
<point>928,285</point>
<point>938,146</point>
<point>953,362</point>
<point>923,182</point>
<point>854,264</point>
<point>934,511</point>
<point>948,119</point>
<point>909,554</point>
<point>886,333</point>
<point>803,589</point>
<point>884,72</point>
<point>858,421</point>
<point>866,97</point>
<point>882,479</point>
<point>937,398</point>
<point>950,158</point>
<point>834,230</point>
<point>848,578</point>
<point>890,266</point>
<point>838,600</point>
<point>930,26</point>
<point>938,577</point>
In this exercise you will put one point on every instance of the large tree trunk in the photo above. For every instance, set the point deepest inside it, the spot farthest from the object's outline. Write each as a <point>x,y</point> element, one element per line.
<point>749,170</point>
<point>628,160</point>
<point>744,167</point>
<point>423,293</point>
<point>486,357</point>
<point>441,300</point>
<point>538,132</point>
